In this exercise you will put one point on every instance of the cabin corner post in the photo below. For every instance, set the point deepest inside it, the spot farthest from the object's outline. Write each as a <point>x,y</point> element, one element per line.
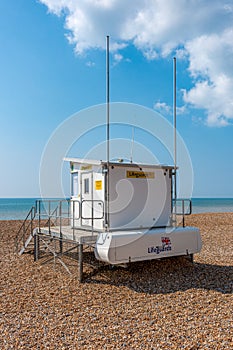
<point>106,197</point>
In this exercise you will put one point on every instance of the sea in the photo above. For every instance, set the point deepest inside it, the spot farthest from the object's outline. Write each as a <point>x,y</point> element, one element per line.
<point>18,208</point>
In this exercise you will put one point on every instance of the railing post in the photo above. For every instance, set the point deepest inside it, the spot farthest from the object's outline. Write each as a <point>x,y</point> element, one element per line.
<point>183,212</point>
<point>39,212</point>
<point>175,213</point>
<point>24,234</point>
<point>73,219</point>
<point>68,211</point>
<point>80,262</point>
<point>60,215</point>
<point>32,217</point>
<point>49,219</point>
<point>92,215</point>
<point>36,207</point>
<point>60,224</point>
<point>17,244</point>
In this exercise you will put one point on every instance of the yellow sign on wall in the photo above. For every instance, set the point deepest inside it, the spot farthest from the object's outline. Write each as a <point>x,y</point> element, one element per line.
<point>98,185</point>
<point>132,174</point>
<point>86,167</point>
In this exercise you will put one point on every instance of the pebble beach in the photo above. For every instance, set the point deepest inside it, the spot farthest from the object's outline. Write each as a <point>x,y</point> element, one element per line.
<point>160,304</point>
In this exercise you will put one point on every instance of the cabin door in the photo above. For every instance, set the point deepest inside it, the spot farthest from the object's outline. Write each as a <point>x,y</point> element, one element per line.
<point>87,199</point>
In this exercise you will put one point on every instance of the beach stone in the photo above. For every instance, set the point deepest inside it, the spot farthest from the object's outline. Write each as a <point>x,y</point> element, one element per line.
<point>163,304</point>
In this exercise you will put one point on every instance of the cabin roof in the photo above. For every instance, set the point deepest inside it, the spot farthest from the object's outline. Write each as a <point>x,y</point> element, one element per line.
<point>84,161</point>
<point>115,163</point>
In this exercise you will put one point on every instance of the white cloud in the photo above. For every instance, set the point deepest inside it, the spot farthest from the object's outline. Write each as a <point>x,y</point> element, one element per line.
<point>90,64</point>
<point>199,31</point>
<point>211,66</point>
<point>118,57</point>
<point>181,110</point>
<point>162,107</point>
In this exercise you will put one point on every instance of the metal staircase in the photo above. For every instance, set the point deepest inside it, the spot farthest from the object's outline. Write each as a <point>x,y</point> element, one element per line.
<point>23,240</point>
<point>47,231</point>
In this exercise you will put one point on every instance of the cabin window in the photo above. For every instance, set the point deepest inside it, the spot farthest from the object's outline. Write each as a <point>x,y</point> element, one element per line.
<point>86,185</point>
<point>74,185</point>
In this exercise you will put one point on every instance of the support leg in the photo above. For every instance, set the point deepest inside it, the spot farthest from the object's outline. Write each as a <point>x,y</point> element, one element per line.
<point>191,258</point>
<point>61,245</point>
<point>36,247</point>
<point>80,257</point>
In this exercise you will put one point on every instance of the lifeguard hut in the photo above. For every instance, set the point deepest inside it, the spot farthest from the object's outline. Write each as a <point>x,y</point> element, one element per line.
<point>131,209</point>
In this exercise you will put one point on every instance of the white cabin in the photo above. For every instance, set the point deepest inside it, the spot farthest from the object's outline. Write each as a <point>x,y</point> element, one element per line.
<point>140,195</point>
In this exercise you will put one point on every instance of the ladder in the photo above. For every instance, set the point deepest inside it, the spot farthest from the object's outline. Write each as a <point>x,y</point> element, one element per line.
<point>23,240</point>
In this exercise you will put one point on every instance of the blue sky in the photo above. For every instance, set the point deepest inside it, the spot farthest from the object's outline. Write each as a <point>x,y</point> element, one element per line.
<point>52,65</point>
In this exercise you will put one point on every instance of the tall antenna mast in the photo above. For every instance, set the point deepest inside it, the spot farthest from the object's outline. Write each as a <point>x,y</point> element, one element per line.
<point>107,131</point>
<point>174,113</point>
<point>107,95</point>
<point>132,145</point>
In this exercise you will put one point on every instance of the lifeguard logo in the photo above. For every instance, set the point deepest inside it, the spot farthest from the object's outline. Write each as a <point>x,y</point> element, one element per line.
<point>140,174</point>
<point>165,247</point>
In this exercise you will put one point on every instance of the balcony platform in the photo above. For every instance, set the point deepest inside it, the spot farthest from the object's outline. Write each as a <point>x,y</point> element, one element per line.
<point>67,233</point>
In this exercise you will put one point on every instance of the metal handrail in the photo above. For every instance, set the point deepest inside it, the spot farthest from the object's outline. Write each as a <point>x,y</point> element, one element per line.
<point>183,213</point>
<point>50,215</point>
<point>58,213</point>
<point>183,200</point>
<point>21,237</point>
